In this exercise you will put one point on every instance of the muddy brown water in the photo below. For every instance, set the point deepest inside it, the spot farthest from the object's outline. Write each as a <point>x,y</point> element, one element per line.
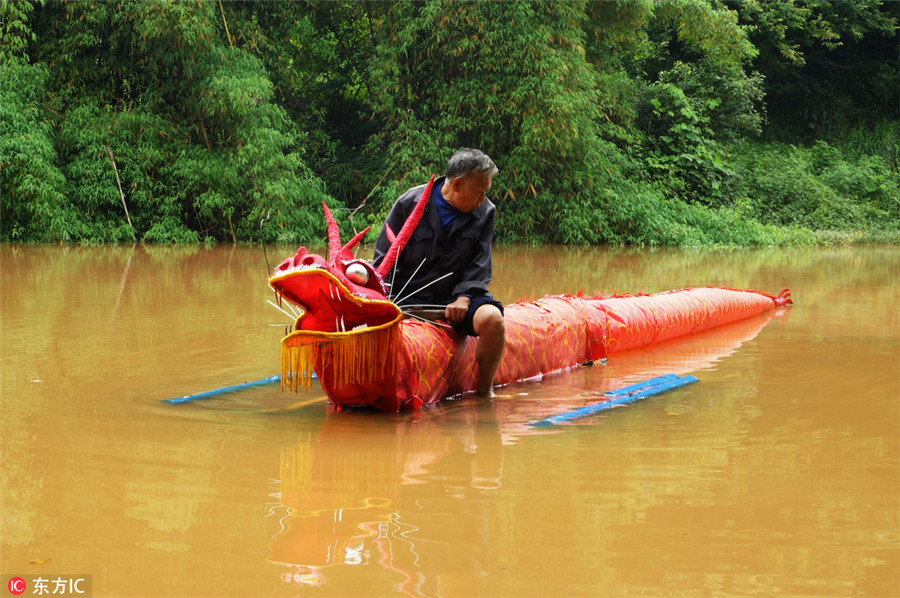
<point>776,475</point>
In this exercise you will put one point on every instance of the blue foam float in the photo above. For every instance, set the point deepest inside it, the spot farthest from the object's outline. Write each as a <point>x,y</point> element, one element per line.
<point>620,396</point>
<point>218,391</point>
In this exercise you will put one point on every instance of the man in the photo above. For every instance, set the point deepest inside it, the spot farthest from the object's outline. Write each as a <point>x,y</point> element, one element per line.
<point>447,261</point>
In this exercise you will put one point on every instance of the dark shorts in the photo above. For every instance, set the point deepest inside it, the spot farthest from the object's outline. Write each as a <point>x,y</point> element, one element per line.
<point>465,328</point>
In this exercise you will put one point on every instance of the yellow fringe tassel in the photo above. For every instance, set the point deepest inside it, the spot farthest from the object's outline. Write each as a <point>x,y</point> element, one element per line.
<point>358,357</point>
<point>298,360</point>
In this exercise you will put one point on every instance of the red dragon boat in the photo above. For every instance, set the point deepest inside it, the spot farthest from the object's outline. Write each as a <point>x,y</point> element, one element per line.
<point>365,352</point>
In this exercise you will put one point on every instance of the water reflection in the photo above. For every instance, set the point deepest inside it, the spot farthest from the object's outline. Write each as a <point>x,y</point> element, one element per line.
<point>380,491</point>
<point>411,494</point>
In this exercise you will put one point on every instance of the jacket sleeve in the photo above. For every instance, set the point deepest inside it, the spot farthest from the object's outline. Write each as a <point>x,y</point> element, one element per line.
<point>477,274</point>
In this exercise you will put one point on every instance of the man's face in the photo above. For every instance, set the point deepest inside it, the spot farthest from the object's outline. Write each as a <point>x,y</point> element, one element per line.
<point>470,191</point>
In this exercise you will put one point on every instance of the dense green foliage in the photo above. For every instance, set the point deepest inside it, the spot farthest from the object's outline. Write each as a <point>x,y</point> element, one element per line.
<point>662,122</point>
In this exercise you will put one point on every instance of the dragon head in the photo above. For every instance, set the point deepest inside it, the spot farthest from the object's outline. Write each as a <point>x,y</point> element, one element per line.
<point>339,295</point>
<point>341,301</point>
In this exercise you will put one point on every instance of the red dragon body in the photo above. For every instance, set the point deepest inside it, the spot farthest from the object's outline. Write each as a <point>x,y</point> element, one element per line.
<point>365,353</point>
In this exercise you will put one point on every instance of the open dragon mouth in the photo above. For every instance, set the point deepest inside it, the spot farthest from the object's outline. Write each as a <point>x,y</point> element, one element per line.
<point>328,305</point>
<point>345,327</point>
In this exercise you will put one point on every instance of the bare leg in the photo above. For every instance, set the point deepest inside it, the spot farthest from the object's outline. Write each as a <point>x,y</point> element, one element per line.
<point>491,330</point>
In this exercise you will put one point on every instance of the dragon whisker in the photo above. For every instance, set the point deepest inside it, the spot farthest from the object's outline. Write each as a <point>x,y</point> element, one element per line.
<point>393,275</point>
<point>413,275</point>
<point>285,312</point>
<point>424,306</point>
<point>425,286</point>
<point>296,311</point>
<point>420,318</point>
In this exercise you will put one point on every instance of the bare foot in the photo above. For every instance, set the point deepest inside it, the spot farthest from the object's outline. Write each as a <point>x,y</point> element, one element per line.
<point>488,394</point>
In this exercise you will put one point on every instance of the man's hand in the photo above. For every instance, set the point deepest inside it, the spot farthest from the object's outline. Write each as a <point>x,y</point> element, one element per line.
<point>456,311</point>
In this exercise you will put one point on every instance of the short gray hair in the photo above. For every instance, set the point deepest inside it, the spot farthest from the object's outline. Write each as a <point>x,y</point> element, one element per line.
<point>468,161</point>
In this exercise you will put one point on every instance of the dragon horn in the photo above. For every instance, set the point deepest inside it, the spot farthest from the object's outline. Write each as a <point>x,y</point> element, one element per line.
<point>405,233</point>
<point>334,236</point>
<point>345,252</point>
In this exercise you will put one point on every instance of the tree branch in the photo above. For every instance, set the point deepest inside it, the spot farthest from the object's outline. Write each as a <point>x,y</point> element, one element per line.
<point>112,159</point>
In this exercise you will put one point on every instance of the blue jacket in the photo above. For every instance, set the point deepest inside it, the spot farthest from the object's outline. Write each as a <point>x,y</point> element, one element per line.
<point>464,250</point>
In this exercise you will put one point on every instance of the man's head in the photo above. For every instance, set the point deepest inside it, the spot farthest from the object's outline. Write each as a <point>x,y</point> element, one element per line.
<point>468,179</point>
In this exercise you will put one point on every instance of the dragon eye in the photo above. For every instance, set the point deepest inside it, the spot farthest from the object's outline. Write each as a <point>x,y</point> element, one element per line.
<point>357,273</point>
